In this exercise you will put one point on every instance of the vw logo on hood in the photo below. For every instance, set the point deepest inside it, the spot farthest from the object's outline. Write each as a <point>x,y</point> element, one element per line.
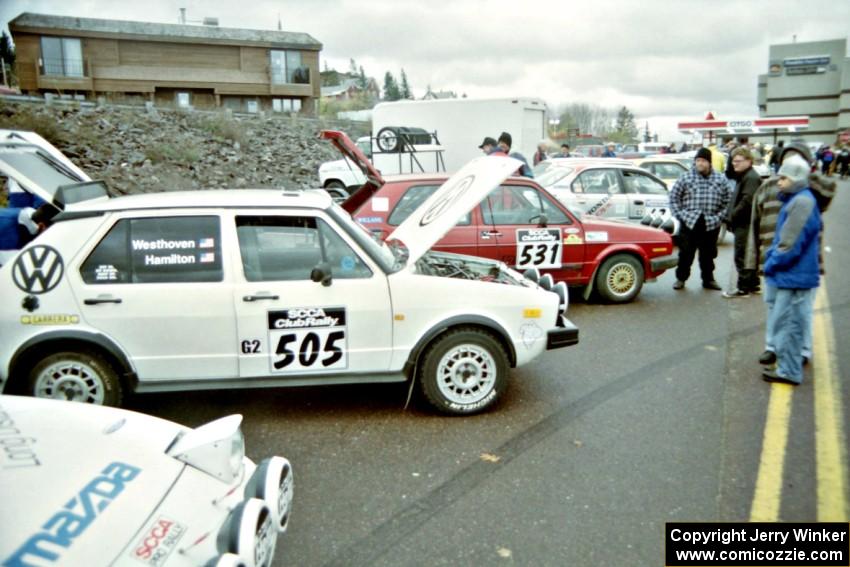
<point>446,200</point>
<point>38,269</point>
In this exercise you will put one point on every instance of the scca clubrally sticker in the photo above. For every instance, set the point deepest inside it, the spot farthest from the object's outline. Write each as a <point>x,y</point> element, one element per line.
<point>308,339</point>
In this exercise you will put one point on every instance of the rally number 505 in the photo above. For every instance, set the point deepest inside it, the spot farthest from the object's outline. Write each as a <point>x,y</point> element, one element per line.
<point>304,350</point>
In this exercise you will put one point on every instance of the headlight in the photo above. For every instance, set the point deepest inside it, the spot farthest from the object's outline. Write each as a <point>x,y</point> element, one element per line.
<point>249,532</point>
<point>564,297</point>
<point>532,274</point>
<point>216,448</point>
<point>546,281</point>
<point>273,483</point>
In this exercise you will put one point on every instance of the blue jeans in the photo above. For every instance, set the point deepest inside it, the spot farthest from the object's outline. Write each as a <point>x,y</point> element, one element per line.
<point>770,324</point>
<point>789,319</point>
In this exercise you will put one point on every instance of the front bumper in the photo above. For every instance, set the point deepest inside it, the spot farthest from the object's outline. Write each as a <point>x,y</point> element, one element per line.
<point>564,335</point>
<point>662,263</point>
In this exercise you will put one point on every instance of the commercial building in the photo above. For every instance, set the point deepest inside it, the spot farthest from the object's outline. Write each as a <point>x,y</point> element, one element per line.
<point>807,79</point>
<point>203,66</point>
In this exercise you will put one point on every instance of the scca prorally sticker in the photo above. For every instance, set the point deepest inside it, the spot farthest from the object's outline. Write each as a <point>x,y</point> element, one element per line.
<point>38,269</point>
<point>158,541</point>
<point>308,339</point>
<point>446,201</point>
<point>539,248</point>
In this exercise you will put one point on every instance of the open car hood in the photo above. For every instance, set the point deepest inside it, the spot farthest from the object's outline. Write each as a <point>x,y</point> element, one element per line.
<point>41,169</point>
<point>454,198</point>
<point>350,151</point>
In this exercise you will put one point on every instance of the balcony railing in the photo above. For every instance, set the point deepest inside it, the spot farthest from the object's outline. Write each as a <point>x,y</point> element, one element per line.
<point>62,67</point>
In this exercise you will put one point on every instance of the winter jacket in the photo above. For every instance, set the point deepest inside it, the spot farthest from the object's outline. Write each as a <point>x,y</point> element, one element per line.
<point>741,204</point>
<point>765,212</point>
<point>694,195</point>
<point>791,261</point>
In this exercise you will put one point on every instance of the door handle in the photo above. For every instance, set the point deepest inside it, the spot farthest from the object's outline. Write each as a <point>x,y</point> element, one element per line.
<point>638,202</point>
<point>490,233</point>
<point>104,299</point>
<point>250,298</point>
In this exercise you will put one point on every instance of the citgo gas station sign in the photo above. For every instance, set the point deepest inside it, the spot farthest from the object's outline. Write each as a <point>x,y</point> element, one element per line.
<point>710,124</point>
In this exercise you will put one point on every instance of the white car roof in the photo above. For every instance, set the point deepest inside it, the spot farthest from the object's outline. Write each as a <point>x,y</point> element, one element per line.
<point>227,198</point>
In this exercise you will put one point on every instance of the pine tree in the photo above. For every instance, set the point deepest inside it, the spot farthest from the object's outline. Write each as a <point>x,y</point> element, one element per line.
<point>405,86</point>
<point>625,125</point>
<point>391,90</point>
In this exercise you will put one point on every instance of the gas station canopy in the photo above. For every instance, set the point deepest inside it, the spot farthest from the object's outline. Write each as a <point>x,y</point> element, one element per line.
<point>745,126</point>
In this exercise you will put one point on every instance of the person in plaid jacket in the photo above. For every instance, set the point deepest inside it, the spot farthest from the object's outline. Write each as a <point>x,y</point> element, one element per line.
<point>699,200</point>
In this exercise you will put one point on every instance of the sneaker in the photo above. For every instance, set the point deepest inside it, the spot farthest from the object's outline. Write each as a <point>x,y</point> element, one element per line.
<point>712,284</point>
<point>772,376</point>
<point>735,293</point>
<point>756,291</point>
<point>679,284</point>
<point>805,360</point>
<point>767,358</point>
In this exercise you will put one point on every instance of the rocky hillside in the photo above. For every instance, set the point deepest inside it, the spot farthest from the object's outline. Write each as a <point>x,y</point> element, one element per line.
<point>135,150</point>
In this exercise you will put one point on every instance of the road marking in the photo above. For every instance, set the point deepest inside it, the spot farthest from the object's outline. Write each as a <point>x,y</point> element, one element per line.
<point>829,434</point>
<point>768,494</point>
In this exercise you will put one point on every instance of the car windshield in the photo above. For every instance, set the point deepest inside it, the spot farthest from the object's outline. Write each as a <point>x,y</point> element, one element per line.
<point>389,260</point>
<point>552,175</point>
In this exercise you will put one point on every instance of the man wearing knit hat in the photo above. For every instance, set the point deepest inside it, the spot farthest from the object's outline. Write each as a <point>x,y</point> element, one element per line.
<point>792,267</point>
<point>699,200</point>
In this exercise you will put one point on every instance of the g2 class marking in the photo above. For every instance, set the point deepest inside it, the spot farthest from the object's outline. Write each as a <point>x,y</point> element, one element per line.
<point>78,514</point>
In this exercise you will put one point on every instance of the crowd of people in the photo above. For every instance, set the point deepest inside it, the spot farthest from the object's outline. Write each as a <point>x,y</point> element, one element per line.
<point>778,231</point>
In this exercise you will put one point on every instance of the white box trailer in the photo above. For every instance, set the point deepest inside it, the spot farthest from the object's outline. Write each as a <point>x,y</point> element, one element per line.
<point>460,124</point>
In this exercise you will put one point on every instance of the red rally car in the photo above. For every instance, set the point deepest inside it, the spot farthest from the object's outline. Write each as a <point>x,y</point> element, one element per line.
<point>523,225</point>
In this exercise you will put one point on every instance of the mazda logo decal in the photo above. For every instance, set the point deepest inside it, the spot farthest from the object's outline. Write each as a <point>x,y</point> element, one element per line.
<point>38,269</point>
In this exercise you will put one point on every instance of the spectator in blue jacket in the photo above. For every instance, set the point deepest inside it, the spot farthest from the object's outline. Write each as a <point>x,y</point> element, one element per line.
<point>792,267</point>
<point>609,151</point>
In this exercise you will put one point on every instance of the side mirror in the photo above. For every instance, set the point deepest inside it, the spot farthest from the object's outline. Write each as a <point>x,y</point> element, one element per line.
<point>322,274</point>
<point>544,221</point>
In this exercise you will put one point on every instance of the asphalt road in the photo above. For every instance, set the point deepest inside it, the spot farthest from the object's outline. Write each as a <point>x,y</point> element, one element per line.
<point>658,415</point>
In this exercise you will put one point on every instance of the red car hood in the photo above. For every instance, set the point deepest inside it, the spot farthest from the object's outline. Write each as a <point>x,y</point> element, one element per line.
<point>349,149</point>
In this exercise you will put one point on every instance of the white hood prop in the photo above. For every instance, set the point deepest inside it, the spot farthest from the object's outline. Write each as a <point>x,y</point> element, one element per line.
<point>456,197</point>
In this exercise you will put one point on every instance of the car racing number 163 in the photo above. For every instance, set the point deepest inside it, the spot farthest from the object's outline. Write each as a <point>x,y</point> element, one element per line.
<point>539,248</point>
<point>304,339</point>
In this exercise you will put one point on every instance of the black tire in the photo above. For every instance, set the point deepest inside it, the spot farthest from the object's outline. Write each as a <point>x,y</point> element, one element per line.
<point>388,140</point>
<point>463,355</point>
<point>78,376</point>
<point>337,191</point>
<point>620,278</point>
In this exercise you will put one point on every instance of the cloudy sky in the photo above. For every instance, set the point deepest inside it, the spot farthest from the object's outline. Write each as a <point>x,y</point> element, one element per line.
<point>665,60</point>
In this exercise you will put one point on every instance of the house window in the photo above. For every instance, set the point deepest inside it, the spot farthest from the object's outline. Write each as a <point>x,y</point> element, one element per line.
<point>252,106</point>
<point>61,56</point>
<point>287,68</point>
<point>286,104</point>
<point>183,100</point>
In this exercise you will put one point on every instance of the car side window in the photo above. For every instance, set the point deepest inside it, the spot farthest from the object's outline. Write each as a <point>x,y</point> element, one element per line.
<point>512,204</point>
<point>287,248</point>
<point>411,200</point>
<point>637,182</point>
<point>157,250</point>
<point>597,182</point>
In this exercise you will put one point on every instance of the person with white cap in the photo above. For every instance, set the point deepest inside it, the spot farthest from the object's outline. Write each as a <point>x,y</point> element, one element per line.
<point>792,267</point>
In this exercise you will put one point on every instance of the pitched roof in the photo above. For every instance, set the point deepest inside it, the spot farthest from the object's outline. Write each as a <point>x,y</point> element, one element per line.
<point>192,32</point>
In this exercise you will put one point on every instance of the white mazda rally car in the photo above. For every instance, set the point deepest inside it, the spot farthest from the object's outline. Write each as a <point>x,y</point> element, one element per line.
<point>251,288</point>
<point>83,485</point>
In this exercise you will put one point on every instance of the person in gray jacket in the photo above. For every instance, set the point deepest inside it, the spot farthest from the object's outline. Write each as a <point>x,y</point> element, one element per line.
<point>738,219</point>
